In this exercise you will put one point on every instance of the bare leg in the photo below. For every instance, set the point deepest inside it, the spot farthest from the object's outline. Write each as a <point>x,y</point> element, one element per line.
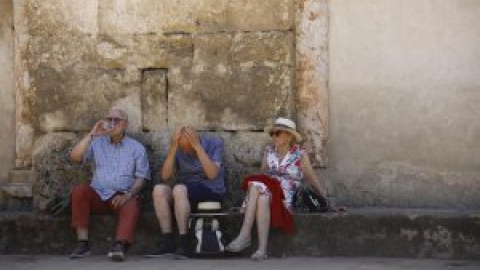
<point>162,197</point>
<point>243,238</point>
<point>263,222</point>
<point>182,207</point>
<point>250,213</point>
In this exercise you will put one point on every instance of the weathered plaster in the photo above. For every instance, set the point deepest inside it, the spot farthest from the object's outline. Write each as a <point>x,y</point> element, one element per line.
<point>404,95</point>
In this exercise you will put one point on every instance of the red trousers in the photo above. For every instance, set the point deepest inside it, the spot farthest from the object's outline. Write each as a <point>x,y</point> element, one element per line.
<point>86,201</point>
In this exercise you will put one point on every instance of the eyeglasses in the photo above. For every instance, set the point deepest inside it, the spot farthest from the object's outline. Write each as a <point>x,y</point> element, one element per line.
<point>114,120</point>
<point>275,133</point>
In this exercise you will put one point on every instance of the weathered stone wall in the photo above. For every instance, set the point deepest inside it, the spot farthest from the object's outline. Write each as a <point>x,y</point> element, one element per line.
<point>225,66</point>
<point>7,94</point>
<point>404,95</point>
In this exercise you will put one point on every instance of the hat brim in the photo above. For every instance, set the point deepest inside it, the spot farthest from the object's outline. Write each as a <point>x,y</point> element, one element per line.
<point>295,134</point>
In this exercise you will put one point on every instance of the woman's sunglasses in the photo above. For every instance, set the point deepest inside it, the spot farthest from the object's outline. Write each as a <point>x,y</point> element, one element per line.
<point>275,133</point>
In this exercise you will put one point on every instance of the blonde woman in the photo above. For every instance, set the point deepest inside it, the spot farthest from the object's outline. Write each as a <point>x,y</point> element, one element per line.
<point>286,162</point>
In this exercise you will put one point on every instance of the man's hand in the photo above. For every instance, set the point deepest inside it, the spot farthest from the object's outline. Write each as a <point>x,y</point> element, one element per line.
<point>121,199</point>
<point>176,137</point>
<point>192,136</point>
<point>98,129</point>
<point>80,149</point>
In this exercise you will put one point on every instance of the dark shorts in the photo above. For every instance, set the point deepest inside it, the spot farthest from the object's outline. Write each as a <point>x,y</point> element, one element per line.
<point>198,192</point>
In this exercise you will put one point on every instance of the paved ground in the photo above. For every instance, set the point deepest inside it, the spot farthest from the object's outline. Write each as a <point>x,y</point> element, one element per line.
<point>23,262</point>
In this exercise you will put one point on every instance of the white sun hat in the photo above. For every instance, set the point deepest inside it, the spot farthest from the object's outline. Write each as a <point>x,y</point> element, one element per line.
<point>287,125</point>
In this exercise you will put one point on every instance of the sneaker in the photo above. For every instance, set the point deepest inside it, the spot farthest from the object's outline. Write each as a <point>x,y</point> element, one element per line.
<point>163,249</point>
<point>117,253</point>
<point>81,250</point>
<point>239,244</point>
<point>181,253</point>
<point>183,250</point>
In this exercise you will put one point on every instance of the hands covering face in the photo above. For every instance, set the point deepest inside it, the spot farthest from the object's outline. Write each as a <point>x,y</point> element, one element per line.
<point>187,138</point>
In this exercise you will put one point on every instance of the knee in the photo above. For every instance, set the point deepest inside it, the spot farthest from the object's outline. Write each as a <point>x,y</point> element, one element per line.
<point>264,198</point>
<point>252,189</point>
<point>160,192</point>
<point>180,192</point>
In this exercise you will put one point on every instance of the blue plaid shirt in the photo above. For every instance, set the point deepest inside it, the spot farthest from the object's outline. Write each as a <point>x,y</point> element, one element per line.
<point>116,166</point>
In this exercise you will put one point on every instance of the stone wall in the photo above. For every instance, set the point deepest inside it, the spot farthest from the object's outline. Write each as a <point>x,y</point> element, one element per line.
<point>225,66</point>
<point>404,95</point>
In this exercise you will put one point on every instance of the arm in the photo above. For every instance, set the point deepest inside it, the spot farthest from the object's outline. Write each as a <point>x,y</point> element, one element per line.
<point>133,192</point>
<point>264,166</point>
<point>78,152</point>
<point>137,187</point>
<point>310,176</point>
<point>141,174</point>
<point>168,165</point>
<point>210,167</point>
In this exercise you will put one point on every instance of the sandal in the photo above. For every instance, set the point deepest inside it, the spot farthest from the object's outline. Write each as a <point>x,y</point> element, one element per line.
<point>239,244</point>
<point>259,256</point>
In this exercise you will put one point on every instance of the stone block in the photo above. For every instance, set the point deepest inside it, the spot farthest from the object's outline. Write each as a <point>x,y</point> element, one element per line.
<point>252,15</point>
<point>144,51</point>
<point>45,16</point>
<point>130,17</point>
<point>246,148</point>
<point>211,16</point>
<point>212,50</point>
<point>258,94</point>
<point>59,49</point>
<point>154,99</point>
<point>193,16</point>
<point>222,90</point>
<point>20,177</point>
<point>82,97</point>
<point>263,48</point>
<point>59,34</point>
<point>247,100</point>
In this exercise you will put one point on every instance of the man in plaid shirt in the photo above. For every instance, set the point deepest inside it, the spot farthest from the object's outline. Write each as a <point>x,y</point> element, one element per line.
<point>121,168</point>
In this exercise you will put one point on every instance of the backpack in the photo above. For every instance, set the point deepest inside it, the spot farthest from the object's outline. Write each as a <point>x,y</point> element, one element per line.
<point>208,237</point>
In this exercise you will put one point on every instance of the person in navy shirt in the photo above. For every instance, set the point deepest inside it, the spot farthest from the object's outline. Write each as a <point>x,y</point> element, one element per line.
<point>120,166</point>
<point>195,162</point>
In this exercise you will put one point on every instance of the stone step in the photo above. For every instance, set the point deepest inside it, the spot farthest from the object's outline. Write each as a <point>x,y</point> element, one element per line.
<point>17,190</point>
<point>20,176</point>
<point>407,233</point>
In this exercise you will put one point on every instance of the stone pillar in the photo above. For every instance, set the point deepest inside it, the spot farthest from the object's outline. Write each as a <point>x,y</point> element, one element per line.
<point>312,75</point>
<point>24,129</point>
<point>7,106</point>
<point>15,185</point>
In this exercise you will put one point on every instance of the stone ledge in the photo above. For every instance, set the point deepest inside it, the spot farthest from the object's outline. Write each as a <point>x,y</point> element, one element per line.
<point>360,232</point>
<point>19,190</point>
